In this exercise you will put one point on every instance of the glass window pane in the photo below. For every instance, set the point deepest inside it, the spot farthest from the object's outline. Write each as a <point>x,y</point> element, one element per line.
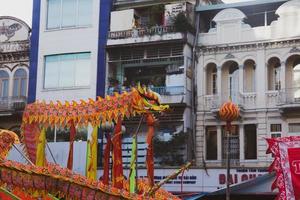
<point>211,143</point>
<point>53,18</point>
<point>3,74</point>
<point>84,12</point>
<point>51,72</point>
<point>4,88</point>
<point>23,87</point>
<point>69,10</point>
<point>16,87</point>
<point>20,73</point>
<point>67,72</point>
<point>82,71</point>
<point>250,141</point>
<point>294,128</point>
<point>275,127</point>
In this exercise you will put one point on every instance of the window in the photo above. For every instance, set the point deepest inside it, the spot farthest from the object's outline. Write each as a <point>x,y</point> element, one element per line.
<point>275,130</point>
<point>234,141</point>
<point>277,78</point>
<point>69,13</point>
<point>274,67</point>
<point>294,128</point>
<point>211,143</point>
<point>4,80</point>
<point>67,70</point>
<point>250,141</point>
<point>214,83</point>
<point>20,83</point>
<point>63,134</point>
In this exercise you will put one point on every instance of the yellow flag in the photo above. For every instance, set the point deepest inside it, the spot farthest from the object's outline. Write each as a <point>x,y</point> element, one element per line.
<point>40,151</point>
<point>91,165</point>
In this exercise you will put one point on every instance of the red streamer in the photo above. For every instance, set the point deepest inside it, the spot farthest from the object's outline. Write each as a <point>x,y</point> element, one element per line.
<point>72,138</point>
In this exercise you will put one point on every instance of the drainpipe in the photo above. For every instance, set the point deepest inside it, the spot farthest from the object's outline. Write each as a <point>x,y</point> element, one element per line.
<point>193,90</point>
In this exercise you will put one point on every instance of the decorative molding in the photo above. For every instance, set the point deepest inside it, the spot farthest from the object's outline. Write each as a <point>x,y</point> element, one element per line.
<point>295,50</point>
<point>9,30</point>
<point>213,50</point>
<point>229,56</point>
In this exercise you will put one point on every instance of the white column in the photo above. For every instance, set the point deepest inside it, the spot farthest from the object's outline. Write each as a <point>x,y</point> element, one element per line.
<point>282,75</point>
<point>219,142</point>
<point>261,79</point>
<point>10,84</point>
<point>204,82</point>
<point>241,79</point>
<point>242,142</point>
<point>219,81</point>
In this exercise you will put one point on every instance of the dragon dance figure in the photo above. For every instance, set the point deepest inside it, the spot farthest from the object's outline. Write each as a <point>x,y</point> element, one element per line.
<point>42,179</point>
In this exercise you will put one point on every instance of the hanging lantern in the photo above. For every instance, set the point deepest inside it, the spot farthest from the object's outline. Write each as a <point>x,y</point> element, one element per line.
<point>229,112</point>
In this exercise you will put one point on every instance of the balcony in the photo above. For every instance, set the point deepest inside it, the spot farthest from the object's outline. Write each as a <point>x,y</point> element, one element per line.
<point>142,35</point>
<point>169,94</point>
<point>11,104</point>
<point>289,100</point>
<point>243,100</point>
<point>214,102</point>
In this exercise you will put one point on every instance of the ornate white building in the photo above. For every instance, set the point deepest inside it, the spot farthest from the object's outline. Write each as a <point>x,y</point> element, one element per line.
<point>14,68</point>
<point>250,52</point>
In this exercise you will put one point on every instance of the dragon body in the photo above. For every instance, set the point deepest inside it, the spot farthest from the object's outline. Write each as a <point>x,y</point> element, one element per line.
<point>55,180</point>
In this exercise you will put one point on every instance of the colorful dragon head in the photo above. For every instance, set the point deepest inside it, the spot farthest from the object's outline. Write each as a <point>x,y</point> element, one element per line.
<point>145,100</point>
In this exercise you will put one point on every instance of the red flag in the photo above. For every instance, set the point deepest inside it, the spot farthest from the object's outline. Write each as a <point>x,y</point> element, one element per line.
<point>72,138</point>
<point>294,160</point>
<point>105,178</point>
<point>117,173</point>
<point>149,154</point>
<point>286,152</point>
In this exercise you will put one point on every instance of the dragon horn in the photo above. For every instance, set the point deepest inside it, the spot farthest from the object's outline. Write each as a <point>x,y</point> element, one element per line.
<point>140,89</point>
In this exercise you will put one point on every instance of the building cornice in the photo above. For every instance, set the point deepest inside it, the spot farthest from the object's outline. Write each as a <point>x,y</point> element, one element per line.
<point>234,48</point>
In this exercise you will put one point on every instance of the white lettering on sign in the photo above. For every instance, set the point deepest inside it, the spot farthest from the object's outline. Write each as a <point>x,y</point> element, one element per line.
<point>296,165</point>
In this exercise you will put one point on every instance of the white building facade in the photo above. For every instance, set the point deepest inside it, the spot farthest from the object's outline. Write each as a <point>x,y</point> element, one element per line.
<point>249,52</point>
<point>67,56</point>
<point>14,71</point>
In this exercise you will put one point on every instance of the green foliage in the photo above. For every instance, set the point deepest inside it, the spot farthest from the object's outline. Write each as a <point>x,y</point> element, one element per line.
<point>156,13</point>
<point>169,151</point>
<point>182,24</point>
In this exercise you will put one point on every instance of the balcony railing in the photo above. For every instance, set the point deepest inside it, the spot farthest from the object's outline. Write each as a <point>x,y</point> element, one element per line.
<point>289,96</point>
<point>12,103</point>
<point>168,91</point>
<point>140,32</point>
<point>213,102</point>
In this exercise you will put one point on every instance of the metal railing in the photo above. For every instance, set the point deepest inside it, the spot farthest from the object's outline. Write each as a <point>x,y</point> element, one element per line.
<point>289,96</point>
<point>215,101</point>
<point>12,103</point>
<point>140,32</point>
<point>169,90</point>
<point>164,90</point>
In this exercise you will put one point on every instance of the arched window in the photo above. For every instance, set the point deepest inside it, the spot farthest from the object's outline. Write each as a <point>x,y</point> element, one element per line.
<point>249,76</point>
<point>20,83</point>
<point>211,79</point>
<point>4,83</point>
<point>274,70</point>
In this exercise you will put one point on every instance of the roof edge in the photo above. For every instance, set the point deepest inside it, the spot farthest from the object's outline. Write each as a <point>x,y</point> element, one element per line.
<point>236,5</point>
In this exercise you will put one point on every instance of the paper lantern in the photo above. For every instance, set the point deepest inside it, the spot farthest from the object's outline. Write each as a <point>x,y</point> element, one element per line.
<point>229,112</point>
